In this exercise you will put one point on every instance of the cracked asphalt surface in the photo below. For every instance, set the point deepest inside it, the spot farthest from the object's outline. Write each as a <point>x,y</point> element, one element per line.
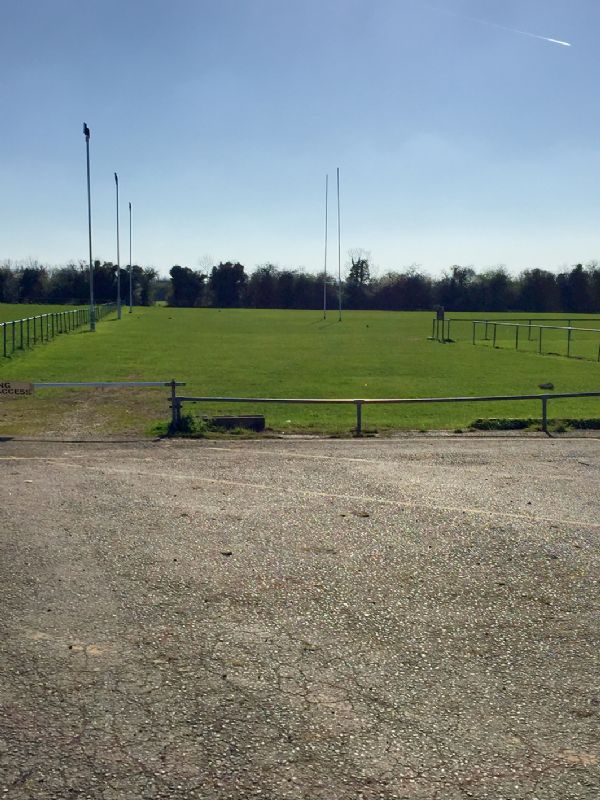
<point>411,618</point>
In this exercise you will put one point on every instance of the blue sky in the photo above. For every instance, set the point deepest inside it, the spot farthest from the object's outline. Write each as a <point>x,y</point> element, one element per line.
<point>458,141</point>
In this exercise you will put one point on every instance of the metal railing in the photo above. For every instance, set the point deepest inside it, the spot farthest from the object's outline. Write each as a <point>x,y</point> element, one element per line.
<point>540,328</point>
<point>177,402</point>
<point>443,330</point>
<point>22,334</point>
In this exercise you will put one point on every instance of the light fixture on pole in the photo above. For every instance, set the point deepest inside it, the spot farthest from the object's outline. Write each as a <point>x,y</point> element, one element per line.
<point>86,133</point>
<point>130,267</point>
<point>325,269</point>
<point>118,253</point>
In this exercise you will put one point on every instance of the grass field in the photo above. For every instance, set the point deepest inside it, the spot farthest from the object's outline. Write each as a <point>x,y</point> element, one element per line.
<point>243,352</point>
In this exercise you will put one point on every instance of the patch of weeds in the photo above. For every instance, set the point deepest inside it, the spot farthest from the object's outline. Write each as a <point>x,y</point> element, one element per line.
<point>585,424</point>
<point>189,426</point>
<point>503,424</point>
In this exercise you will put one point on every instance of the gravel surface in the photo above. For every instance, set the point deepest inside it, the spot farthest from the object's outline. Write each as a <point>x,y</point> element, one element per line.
<point>309,619</point>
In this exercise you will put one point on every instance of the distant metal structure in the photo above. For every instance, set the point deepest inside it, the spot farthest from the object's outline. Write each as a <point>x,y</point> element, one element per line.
<point>86,133</point>
<point>326,232</point>
<point>339,247</point>
<point>130,267</point>
<point>118,253</point>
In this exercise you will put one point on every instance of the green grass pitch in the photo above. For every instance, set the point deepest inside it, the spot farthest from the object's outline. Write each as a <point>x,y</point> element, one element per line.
<point>241,352</point>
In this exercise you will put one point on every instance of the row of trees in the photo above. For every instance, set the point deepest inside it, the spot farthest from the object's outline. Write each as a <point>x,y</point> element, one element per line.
<point>227,285</point>
<point>33,283</point>
<point>576,290</point>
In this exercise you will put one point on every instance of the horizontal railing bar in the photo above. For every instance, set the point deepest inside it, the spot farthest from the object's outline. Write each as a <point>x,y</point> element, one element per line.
<point>109,384</point>
<point>526,325</point>
<point>310,400</point>
<point>382,401</point>
<point>524,320</point>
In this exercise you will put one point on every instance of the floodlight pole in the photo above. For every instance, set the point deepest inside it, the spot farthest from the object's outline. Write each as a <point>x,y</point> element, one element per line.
<point>339,247</point>
<point>118,253</point>
<point>325,269</point>
<point>130,269</point>
<point>86,133</point>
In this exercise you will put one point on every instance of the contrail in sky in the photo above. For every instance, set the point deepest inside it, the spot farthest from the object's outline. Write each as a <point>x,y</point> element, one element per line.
<point>516,30</point>
<point>501,27</point>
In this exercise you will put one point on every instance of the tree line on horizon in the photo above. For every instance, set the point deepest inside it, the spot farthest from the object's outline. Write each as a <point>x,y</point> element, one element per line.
<point>69,284</point>
<point>228,285</point>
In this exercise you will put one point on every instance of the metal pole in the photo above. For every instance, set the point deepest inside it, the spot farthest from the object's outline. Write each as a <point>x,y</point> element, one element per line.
<point>174,404</point>
<point>495,328</point>
<point>516,337</point>
<point>4,337</point>
<point>474,323</point>
<point>545,414</point>
<point>358,417</point>
<point>486,331</point>
<point>339,247</point>
<point>540,346</point>
<point>86,133</point>
<point>569,332</point>
<point>326,231</point>
<point>14,337</point>
<point>118,253</point>
<point>529,334</point>
<point>22,348</point>
<point>130,268</point>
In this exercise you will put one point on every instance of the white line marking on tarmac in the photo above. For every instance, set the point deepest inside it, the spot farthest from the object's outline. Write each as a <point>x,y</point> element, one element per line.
<point>483,512</point>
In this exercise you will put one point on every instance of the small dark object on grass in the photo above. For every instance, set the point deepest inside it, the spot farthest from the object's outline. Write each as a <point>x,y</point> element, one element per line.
<point>545,386</point>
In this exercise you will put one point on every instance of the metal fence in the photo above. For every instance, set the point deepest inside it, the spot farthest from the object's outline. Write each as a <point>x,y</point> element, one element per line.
<point>25,333</point>
<point>178,401</point>
<point>567,330</point>
<point>442,331</point>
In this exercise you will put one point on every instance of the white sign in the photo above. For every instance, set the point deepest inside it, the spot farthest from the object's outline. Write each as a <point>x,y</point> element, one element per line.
<point>15,389</point>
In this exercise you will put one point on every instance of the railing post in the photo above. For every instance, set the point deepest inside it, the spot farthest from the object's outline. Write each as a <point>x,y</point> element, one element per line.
<point>22,348</point>
<point>540,346</point>
<point>545,413</point>
<point>174,414</point>
<point>569,332</point>
<point>474,323</point>
<point>4,337</point>
<point>529,332</point>
<point>14,336</point>
<point>28,334</point>
<point>495,328</point>
<point>486,337</point>
<point>358,417</point>
<point>517,336</point>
